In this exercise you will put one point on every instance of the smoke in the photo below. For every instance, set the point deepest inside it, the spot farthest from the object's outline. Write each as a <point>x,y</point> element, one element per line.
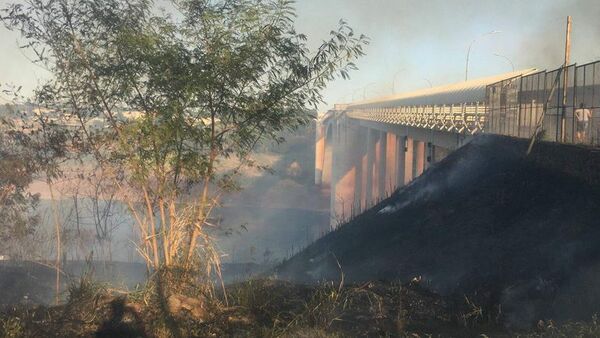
<point>460,171</point>
<point>276,214</point>
<point>416,40</point>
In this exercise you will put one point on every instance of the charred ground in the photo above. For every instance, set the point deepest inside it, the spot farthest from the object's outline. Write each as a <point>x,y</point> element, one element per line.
<point>497,244</point>
<point>517,234</point>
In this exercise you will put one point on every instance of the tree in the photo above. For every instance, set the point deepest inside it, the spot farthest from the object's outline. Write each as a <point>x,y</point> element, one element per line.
<point>17,168</point>
<point>95,202</point>
<point>30,145</point>
<point>176,96</point>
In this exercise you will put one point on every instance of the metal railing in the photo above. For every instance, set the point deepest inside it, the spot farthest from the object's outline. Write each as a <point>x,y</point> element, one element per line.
<point>515,106</point>
<point>467,118</point>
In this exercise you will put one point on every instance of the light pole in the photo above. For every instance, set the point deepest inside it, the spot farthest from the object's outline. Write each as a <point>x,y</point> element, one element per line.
<point>354,92</point>
<point>365,90</point>
<point>342,98</point>
<point>469,51</point>
<point>512,65</point>
<point>394,80</point>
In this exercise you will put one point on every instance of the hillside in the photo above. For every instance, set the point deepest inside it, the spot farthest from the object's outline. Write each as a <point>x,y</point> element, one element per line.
<point>517,234</point>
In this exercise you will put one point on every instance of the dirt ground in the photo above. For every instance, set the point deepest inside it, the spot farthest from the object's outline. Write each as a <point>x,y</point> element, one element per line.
<point>487,243</point>
<point>266,308</point>
<point>508,231</point>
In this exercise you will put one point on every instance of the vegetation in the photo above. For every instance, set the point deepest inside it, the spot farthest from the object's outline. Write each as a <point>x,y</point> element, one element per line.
<point>157,105</point>
<point>267,308</point>
<point>30,148</point>
<point>160,110</point>
<point>17,166</point>
<point>261,308</point>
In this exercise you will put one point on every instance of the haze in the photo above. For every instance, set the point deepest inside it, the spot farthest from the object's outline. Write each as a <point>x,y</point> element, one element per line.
<point>415,43</point>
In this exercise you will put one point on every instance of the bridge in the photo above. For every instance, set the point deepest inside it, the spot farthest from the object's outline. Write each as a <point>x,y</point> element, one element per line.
<point>366,150</point>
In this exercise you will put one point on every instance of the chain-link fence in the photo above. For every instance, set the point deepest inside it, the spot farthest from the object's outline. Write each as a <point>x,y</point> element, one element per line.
<point>515,106</point>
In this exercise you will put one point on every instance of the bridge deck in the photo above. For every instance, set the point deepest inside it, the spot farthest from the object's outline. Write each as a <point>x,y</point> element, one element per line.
<point>509,104</point>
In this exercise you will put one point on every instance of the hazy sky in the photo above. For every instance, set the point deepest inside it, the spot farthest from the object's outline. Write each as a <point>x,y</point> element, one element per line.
<point>416,41</point>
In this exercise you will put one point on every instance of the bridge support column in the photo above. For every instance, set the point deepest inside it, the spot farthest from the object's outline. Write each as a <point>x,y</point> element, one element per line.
<point>381,166</point>
<point>357,204</point>
<point>319,153</point>
<point>419,158</point>
<point>390,168</point>
<point>409,158</point>
<point>440,153</point>
<point>371,145</point>
<point>365,174</point>
<point>400,160</point>
<point>428,154</point>
<point>358,160</point>
<point>334,174</point>
<point>348,169</point>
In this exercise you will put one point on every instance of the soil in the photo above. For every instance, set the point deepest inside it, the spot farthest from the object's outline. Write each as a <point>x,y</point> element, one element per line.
<point>262,308</point>
<point>512,232</point>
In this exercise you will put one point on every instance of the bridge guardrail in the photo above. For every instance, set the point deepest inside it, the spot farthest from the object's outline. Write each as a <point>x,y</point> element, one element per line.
<point>515,105</point>
<point>468,118</point>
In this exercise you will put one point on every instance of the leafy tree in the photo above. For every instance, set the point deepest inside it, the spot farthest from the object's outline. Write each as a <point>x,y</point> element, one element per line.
<point>17,220</point>
<point>32,145</point>
<point>177,98</point>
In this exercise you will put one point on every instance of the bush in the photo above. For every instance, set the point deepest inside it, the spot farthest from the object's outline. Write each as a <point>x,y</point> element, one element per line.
<point>11,327</point>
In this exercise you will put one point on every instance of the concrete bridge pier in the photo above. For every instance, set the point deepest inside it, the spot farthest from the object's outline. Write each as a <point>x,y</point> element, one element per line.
<point>381,166</point>
<point>371,145</point>
<point>390,164</point>
<point>363,164</point>
<point>408,159</point>
<point>400,160</point>
<point>333,186</point>
<point>429,155</point>
<point>350,163</point>
<point>419,158</point>
<point>320,133</point>
<point>365,150</point>
<point>359,162</point>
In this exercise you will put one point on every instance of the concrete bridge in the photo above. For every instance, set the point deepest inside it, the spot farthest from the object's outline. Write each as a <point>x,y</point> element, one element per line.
<point>366,150</point>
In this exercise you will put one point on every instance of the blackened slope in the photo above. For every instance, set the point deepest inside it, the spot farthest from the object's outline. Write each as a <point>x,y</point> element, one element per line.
<point>483,218</point>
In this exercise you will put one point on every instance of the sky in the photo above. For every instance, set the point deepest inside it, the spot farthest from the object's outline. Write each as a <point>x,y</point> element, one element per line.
<point>415,43</point>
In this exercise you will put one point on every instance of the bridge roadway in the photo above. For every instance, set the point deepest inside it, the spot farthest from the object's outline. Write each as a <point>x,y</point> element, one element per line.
<point>366,150</point>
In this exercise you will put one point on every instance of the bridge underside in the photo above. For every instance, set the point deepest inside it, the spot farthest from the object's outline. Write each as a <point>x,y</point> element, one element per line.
<point>366,150</point>
<point>363,162</point>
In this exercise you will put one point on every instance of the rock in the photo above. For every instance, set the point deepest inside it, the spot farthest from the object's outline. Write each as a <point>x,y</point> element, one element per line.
<point>177,303</point>
<point>240,320</point>
<point>134,307</point>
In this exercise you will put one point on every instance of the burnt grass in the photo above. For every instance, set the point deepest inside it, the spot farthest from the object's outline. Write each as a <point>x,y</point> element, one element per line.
<point>486,243</point>
<point>516,235</point>
<point>260,308</point>
<point>271,308</point>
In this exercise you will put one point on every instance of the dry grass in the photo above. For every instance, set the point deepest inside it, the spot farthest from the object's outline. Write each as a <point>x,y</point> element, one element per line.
<point>571,329</point>
<point>267,308</point>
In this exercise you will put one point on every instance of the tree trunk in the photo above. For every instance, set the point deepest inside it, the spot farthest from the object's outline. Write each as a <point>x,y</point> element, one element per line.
<point>58,241</point>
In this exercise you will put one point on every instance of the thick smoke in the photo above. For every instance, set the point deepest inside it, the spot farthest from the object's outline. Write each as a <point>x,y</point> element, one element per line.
<point>416,40</point>
<point>463,171</point>
<point>278,213</point>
